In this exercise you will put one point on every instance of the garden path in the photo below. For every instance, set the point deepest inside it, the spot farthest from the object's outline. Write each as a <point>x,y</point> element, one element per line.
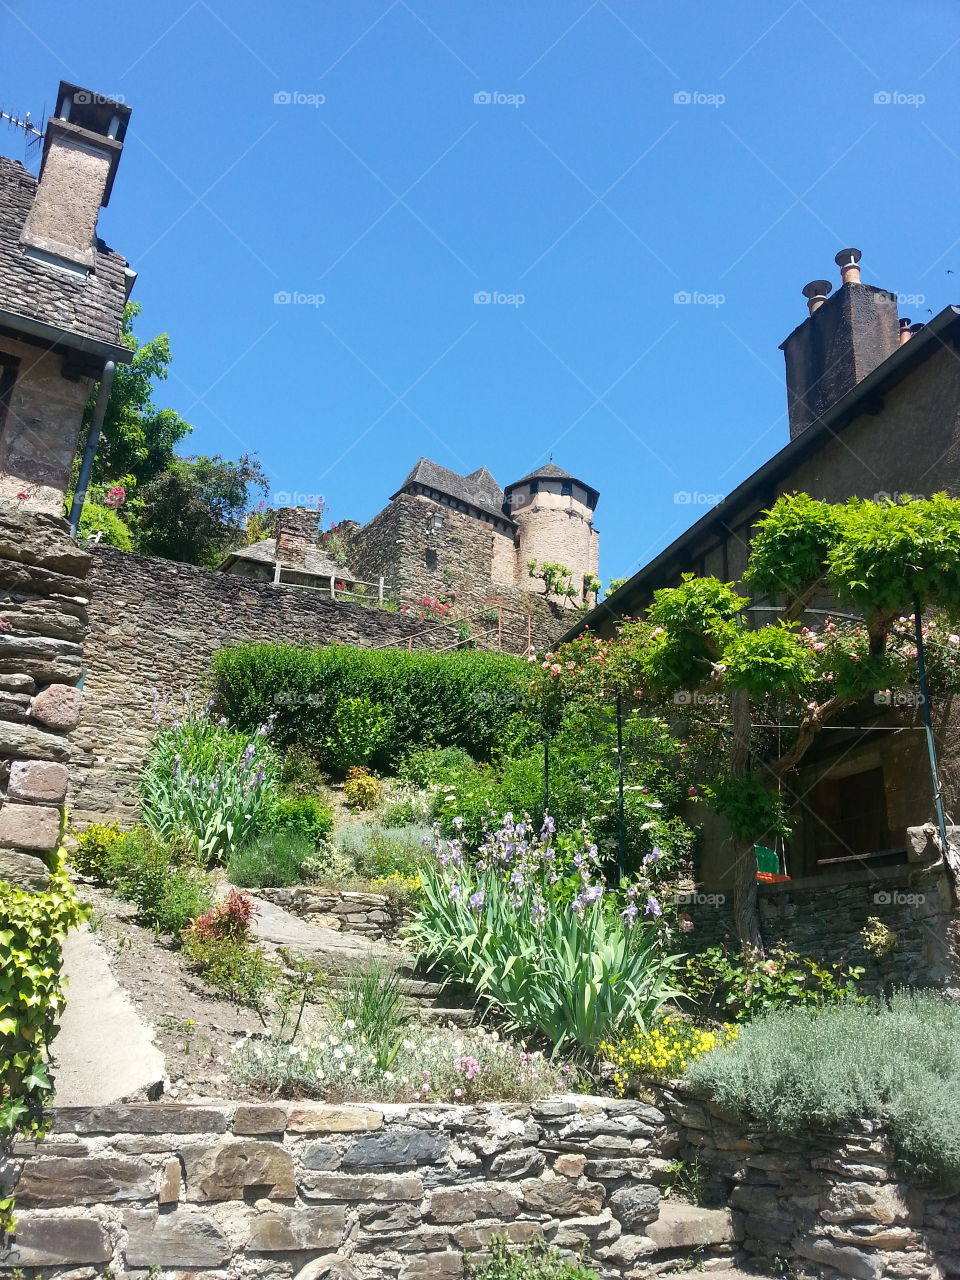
<point>98,1013</point>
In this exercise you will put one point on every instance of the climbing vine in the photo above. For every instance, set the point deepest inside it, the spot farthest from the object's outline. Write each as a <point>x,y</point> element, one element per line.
<point>32,929</point>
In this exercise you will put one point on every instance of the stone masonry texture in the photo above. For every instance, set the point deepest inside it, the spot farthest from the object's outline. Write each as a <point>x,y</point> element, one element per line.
<point>156,624</point>
<point>236,1191</point>
<point>43,604</point>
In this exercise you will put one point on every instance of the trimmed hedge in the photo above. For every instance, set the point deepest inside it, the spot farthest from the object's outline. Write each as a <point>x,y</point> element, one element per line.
<point>352,706</point>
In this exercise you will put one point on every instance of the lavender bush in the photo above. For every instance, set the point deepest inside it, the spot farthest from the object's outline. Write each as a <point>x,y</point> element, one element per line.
<point>530,925</point>
<point>206,782</point>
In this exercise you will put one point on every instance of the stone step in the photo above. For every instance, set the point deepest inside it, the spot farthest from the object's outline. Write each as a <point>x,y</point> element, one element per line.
<point>687,1226</point>
<point>340,953</point>
<point>718,1273</point>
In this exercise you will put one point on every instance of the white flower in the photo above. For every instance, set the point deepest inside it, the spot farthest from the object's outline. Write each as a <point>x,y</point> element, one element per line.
<point>348,1049</point>
<point>338,1053</point>
<point>350,1024</point>
<point>355,1071</point>
<point>388,1075</point>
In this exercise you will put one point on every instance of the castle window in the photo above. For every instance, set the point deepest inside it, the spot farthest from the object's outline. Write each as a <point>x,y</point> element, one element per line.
<point>430,559</point>
<point>566,489</point>
<point>534,487</point>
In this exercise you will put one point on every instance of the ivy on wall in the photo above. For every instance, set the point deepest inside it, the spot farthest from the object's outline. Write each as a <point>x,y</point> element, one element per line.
<point>32,929</point>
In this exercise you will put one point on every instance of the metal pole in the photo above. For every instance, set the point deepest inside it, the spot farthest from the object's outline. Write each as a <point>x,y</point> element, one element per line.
<point>621,839</point>
<point>90,448</point>
<point>928,726</point>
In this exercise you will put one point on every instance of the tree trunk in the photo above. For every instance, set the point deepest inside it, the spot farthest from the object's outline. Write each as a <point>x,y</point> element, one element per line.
<point>745,903</point>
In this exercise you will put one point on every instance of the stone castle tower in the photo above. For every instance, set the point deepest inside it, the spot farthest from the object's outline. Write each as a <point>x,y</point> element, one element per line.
<point>464,539</point>
<point>553,516</point>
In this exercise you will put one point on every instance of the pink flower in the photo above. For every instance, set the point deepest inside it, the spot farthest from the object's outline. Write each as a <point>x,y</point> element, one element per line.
<point>555,669</point>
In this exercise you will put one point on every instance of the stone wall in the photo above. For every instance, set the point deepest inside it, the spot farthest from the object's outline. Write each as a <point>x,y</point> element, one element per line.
<point>156,624</point>
<point>456,562</point>
<point>39,437</point>
<point>374,915</point>
<point>825,1205</point>
<point>311,1190</point>
<point>824,917</point>
<point>43,613</point>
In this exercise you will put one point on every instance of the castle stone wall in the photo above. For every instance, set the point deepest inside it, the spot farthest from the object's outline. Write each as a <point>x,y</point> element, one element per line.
<point>454,562</point>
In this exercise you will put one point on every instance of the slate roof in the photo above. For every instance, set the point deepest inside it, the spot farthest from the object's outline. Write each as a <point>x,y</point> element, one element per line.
<point>478,489</point>
<point>89,306</point>
<point>317,562</point>
<point>550,471</point>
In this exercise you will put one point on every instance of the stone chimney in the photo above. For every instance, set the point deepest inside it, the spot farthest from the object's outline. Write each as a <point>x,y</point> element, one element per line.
<point>81,149</point>
<point>297,529</point>
<point>844,338</point>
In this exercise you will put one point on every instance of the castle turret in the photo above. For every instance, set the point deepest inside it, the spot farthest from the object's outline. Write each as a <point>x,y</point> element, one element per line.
<point>553,512</point>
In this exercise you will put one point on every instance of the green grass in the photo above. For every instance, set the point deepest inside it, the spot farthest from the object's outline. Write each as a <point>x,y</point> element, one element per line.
<point>827,1067</point>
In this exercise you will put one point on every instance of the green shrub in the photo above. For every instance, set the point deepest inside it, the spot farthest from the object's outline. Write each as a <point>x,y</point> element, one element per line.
<point>535,1261</point>
<point>97,851</point>
<point>724,984</point>
<point>378,852</point>
<point>271,861</point>
<point>303,816</point>
<point>361,790</point>
<point>436,765</point>
<point>300,773</point>
<point>832,1066</point>
<point>359,728</point>
<point>583,788</point>
<point>169,890</point>
<point>235,967</point>
<point>466,699</point>
<point>113,531</point>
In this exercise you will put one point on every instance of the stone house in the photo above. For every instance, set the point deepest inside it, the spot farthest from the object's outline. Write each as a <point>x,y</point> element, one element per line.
<point>457,539</point>
<point>874,411</point>
<point>62,294</point>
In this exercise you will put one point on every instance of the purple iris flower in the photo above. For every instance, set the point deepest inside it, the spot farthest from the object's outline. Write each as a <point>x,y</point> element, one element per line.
<point>477,900</point>
<point>653,856</point>
<point>653,907</point>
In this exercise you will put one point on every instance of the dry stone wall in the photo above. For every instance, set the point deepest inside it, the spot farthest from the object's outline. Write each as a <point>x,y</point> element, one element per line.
<point>43,618</point>
<point>824,917</point>
<point>308,1190</point>
<point>156,624</point>
<point>372,915</point>
<point>829,1206</point>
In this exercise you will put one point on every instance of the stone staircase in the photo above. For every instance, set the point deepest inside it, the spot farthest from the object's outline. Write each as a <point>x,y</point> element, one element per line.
<point>340,952</point>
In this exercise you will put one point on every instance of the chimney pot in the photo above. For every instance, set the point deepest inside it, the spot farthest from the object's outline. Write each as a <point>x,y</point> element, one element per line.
<point>915,328</point>
<point>816,294</point>
<point>904,330</point>
<point>847,260</point>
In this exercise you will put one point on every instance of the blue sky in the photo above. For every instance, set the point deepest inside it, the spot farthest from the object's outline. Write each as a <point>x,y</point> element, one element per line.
<point>383,195</point>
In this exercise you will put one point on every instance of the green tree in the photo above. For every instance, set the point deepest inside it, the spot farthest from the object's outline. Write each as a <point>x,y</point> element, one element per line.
<point>195,509</point>
<point>137,439</point>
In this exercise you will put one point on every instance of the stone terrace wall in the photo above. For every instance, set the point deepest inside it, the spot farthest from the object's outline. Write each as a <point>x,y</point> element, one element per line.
<point>832,1205</point>
<point>156,624</point>
<point>43,612</point>
<point>246,1191</point>
<point>824,917</point>
<point>373,915</point>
